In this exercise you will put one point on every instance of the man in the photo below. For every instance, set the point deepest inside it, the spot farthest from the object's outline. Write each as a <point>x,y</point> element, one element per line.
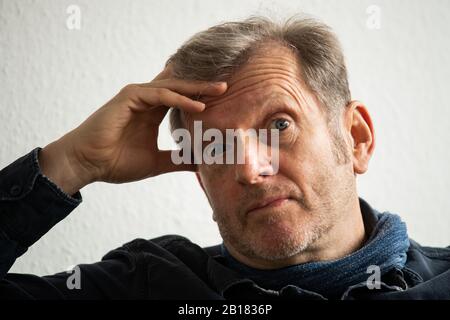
<point>298,231</point>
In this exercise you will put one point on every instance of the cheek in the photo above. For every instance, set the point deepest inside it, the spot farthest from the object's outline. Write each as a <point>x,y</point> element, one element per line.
<point>305,158</point>
<point>311,146</point>
<point>293,168</point>
<point>216,183</point>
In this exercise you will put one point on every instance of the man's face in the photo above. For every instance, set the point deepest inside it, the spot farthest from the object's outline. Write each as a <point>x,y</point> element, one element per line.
<point>296,206</point>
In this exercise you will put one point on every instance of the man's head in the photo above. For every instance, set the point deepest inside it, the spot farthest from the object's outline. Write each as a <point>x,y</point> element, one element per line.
<point>291,77</point>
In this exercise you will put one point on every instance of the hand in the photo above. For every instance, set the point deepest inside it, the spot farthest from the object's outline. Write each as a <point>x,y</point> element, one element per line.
<point>118,143</point>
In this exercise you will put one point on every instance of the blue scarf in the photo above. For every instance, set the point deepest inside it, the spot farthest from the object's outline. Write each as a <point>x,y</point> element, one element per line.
<point>386,247</point>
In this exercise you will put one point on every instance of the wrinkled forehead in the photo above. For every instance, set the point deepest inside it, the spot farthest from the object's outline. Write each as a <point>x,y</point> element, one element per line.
<point>277,64</point>
<point>270,76</point>
<point>237,110</point>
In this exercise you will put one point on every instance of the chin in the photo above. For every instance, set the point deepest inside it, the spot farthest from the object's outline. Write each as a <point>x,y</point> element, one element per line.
<point>277,235</point>
<point>279,242</point>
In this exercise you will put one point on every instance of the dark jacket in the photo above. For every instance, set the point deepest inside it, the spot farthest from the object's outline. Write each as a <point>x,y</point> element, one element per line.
<point>169,267</point>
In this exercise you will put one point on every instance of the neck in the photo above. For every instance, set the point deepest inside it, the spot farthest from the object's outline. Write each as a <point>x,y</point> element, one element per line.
<point>344,237</point>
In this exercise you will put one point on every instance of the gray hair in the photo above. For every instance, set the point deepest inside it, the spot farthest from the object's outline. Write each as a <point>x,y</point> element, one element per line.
<point>214,54</point>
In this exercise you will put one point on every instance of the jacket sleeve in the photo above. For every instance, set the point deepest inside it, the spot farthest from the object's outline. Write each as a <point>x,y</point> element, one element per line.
<point>30,205</point>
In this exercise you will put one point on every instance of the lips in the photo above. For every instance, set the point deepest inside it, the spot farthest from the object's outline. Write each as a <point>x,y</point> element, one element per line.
<point>268,202</point>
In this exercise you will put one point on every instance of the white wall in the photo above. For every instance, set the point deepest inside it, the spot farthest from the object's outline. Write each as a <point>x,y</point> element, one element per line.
<point>52,78</point>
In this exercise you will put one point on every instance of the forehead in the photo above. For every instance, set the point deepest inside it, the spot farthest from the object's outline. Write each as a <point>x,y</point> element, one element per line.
<point>274,65</point>
<point>271,76</point>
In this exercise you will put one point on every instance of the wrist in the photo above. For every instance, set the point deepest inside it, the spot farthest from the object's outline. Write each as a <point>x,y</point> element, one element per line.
<point>59,165</point>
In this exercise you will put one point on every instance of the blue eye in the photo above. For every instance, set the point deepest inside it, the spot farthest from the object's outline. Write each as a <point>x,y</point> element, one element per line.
<point>280,124</point>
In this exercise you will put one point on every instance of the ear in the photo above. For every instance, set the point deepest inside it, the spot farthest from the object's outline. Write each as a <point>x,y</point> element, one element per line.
<point>359,124</point>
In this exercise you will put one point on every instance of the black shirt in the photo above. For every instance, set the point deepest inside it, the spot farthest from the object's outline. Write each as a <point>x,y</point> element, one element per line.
<point>168,267</point>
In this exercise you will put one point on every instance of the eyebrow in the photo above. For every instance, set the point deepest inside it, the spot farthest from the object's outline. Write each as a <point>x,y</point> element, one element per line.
<point>282,100</point>
<point>274,102</point>
<point>270,106</point>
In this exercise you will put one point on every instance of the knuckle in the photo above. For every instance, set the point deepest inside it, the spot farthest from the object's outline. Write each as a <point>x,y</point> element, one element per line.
<point>130,89</point>
<point>163,94</point>
<point>162,91</point>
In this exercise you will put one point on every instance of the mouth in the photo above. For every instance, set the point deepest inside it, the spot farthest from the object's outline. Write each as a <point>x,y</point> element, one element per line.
<point>267,203</point>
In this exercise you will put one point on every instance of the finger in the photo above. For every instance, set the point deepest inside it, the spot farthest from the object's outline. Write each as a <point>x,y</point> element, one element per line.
<point>153,97</point>
<point>165,163</point>
<point>190,87</point>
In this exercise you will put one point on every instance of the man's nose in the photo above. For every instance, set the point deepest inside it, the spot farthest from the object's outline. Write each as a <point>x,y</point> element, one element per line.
<point>256,164</point>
